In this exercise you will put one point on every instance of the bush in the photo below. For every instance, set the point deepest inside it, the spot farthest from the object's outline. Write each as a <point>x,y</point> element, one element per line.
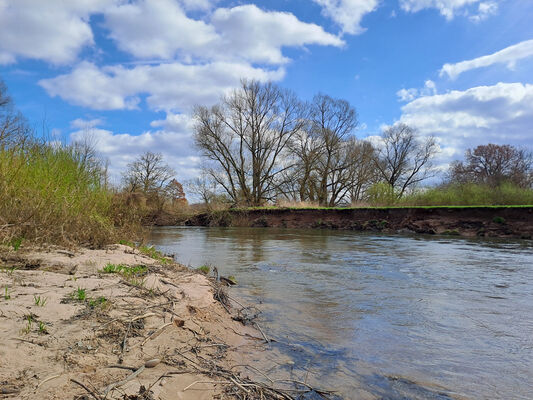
<point>471,194</point>
<point>381,194</point>
<point>49,194</point>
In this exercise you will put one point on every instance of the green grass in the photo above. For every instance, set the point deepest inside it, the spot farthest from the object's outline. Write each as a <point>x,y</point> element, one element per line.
<point>7,296</point>
<point>42,328</point>
<point>204,269</point>
<point>40,301</point>
<point>125,270</point>
<point>52,194</point>
<point>29,322</point>
<point>100,301</point>
<point>152,252</point>
<point>80,294</point>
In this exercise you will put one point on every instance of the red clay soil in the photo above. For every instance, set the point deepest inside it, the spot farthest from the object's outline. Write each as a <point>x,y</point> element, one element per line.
<point>505,222</point>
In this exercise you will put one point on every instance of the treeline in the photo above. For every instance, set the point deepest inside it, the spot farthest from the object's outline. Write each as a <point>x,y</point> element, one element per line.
<point>263,145</point>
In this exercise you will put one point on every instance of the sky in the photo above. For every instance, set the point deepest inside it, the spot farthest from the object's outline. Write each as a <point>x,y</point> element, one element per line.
<point>129,72</point>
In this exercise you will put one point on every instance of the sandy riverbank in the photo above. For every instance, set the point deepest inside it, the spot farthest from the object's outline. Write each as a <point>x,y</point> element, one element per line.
<point>54,341</point>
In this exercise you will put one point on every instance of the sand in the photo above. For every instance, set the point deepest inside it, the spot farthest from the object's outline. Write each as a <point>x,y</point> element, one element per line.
<point>169,314</point>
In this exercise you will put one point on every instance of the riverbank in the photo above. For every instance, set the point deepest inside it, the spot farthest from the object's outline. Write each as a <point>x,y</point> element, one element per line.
<point>490,221</point>
<point>115,323</point>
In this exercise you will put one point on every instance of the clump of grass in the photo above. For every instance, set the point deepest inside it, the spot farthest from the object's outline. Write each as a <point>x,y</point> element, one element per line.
<point>127,243</point>
<point>42,328</point>
<point>29,322</point>
<point>124,270</point>
<point>204,269</point>
<point>152,252</point>
<point>40,301</point>
<point>498,220</point>
<point>80,294</point>
<point>7,296</point>
<point>232,279</point>
<point>100,301</point>
<point>57,194</point>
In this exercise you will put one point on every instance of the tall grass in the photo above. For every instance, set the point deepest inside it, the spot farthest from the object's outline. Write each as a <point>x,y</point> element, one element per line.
<point>52,194</point>
<point>470,194</point>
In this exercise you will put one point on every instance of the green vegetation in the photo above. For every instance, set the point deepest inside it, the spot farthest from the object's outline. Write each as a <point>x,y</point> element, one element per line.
<point>80,294</point>
<point>498,220</point>
<point>232,279</point>
<point>100,301</point>
<point>42,328</point>
<point>124,270</point>
<point>151,252</point>
<point>29,322</point>
<point>204,269</point>
<point>7,296</point>
<point>16,243</point>
<point>40,301</point>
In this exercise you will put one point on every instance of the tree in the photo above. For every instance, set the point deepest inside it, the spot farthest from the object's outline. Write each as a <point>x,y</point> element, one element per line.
<point>148,174</point>
<point>332,121</point>
<point>14,130</point>
<point>175,193</point>
<point>403,159</point>
<point>246,137</point>
<point>493,165</point>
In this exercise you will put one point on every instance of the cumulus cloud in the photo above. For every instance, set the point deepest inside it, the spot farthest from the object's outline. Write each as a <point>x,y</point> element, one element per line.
<point>500,114</point>
<point>120,149</point>
<point>410,94</point>
<point>450,8</point>
<point>171,86</point>
<point>80,123</point>
<point>509,56</point>
<point>485,10</point>
<point>54,31</point>
<point>148,29</point>
<point>348,13</point>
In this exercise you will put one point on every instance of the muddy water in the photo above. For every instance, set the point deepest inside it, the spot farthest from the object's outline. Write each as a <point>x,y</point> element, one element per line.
<point>392,317</point>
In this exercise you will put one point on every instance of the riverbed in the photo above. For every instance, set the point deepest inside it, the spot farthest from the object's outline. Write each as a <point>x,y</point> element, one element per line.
<point>382,316</point>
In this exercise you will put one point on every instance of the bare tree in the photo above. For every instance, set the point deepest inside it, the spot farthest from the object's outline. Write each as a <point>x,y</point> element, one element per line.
<point>148,174</point>
<point>363,172</point>
<point>246,136</point>
<point>493,165</point>
<point>14,129</point>
<point>333,121</point>
<point>404,160</point>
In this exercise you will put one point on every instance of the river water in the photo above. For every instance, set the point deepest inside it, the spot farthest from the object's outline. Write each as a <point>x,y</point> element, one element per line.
<point>382,316</point>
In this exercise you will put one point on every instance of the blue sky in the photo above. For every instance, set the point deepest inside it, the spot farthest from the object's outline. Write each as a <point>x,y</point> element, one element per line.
<point>128,72</point>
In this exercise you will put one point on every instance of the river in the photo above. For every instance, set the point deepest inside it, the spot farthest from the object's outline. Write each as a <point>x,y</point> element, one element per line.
<point>382,316</point>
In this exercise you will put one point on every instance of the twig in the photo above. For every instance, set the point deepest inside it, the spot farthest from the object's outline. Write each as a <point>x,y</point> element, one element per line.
<point>262,333</point>
<point>96,396</point>
<point>124,381</point>
<point>209,382</point>
<point>48,379</point>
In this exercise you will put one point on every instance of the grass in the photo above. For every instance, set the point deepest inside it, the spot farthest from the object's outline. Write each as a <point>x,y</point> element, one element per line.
<point>100,301</point>
<point>29,322</point>
<point>52,194</point>
<point>40,301</point>
<point>152,252</point>
<point>204,269</point>
<point>125,270</point>
<point>80,294</point>
<point>42,328</point>
<point>7,296</point>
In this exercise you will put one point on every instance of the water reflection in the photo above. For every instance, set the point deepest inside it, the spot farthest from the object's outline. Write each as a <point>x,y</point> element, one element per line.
<point>454,314</point>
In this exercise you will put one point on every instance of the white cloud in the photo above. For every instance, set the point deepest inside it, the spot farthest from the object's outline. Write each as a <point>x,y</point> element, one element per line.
<point>429,89</point>
<point>150,28</point>
<point>500,114</point>
<point>120,149</point>
<point>485,10</point>
<point>450,8</point>
<point>53,30</point>
<point>80,123</point>
<point>348,13</point>
<point>509,56</point>
<point>172,86</point>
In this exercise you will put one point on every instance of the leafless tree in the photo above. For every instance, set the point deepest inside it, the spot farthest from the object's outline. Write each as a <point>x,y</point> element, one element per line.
<point>246,137</point>
<point>363,172</point>
<point>493,165</point>
<point>332,121</point>
<point>404,160</point>
<point>14,129</point>
<point>148,174</point>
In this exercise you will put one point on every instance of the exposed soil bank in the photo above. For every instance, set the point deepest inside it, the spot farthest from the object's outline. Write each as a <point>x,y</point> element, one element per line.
<point>505,222</point>
<point>54,339</point>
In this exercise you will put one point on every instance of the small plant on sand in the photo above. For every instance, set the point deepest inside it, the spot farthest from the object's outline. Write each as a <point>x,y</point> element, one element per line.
<point>27,328</point>
<point>151,252</point>
<point>126,243</point>
<point>16,243</point>
<point>100,301</point>
<point>7,296</point>
<point>125,270</point>
<point>39,301</point>
<point>80,294</point>
<point>204,269</point>
<point>42,328</point>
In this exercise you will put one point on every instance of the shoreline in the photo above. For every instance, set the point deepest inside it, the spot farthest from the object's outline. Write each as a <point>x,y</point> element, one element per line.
<point>162,331</point>
<point>493,221</point>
